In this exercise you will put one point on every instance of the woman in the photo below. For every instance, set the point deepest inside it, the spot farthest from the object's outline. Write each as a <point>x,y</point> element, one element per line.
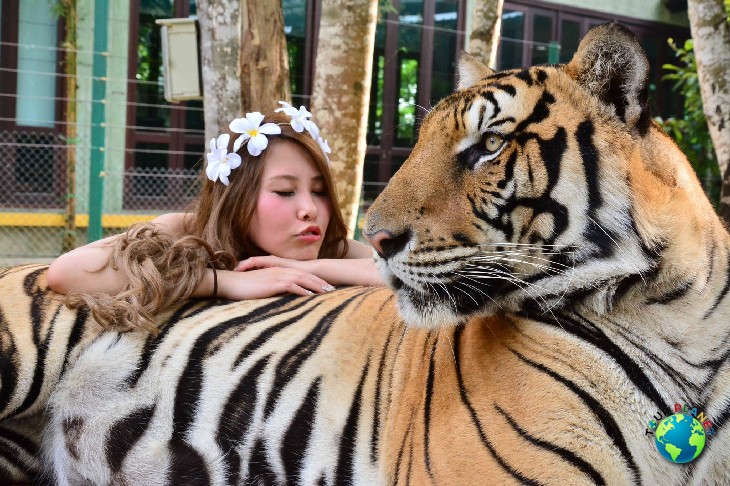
<point>264,223</point>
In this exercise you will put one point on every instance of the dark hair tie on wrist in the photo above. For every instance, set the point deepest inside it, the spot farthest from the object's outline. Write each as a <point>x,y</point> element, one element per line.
<point>215,281</point>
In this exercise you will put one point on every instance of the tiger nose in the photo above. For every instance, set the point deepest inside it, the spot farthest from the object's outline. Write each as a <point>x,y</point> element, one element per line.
<point>386,243</point>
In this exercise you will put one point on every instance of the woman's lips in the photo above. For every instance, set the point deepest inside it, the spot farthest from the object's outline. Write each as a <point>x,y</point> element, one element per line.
<point>311,234</point>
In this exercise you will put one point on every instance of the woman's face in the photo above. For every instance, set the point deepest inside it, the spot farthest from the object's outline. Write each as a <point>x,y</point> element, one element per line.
<point>292,208</point>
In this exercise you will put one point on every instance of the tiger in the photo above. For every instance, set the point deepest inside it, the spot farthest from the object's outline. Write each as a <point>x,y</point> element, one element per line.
<point>556,277</point>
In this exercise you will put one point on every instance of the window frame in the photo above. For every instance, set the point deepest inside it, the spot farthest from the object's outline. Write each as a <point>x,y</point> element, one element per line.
<point>175,137</point>
<point>387,150</point>
<point>589,18</point>
<point>13,196</point>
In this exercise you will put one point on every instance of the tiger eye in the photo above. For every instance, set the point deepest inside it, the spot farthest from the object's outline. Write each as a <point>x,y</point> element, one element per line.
<point>494,142</point>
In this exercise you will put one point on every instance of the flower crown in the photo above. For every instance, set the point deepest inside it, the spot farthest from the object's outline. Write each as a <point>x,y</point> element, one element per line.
<point>253,134</point>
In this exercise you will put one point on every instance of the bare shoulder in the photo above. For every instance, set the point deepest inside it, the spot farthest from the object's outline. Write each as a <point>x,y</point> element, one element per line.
<point>173,223</point>
<point>356,249</point>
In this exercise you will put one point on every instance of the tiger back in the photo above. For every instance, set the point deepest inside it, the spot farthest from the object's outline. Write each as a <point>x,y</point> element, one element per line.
<point>38,337</point>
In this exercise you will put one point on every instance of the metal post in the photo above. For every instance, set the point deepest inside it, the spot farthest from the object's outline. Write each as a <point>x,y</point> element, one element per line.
<point>96,172</point>
<point>554,52</point>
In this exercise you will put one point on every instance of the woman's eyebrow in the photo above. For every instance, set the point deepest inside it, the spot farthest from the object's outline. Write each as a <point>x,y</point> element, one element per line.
<point>288,177</point>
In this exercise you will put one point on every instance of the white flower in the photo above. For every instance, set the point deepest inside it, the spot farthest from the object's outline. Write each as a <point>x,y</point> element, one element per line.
<point>252,131</point>
<point>313,130</point>
<point>220,162</point>
<point>299,119</point>
<point>323,145</point>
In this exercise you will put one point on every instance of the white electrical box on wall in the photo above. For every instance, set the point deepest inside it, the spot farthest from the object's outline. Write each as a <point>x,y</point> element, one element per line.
<point>180,59</point>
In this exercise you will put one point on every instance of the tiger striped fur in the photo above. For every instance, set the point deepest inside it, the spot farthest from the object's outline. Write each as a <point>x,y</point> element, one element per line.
<point>560,283</point>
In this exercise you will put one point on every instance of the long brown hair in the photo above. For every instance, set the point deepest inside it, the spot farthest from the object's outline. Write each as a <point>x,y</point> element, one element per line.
<point>162,269</point>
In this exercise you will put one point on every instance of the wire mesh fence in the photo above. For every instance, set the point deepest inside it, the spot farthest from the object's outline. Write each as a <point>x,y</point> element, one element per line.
<point>36,224</point>
<point>32,194</point>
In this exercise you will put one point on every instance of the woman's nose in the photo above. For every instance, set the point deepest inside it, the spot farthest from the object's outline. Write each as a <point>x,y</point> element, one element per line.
<point>307,208</point>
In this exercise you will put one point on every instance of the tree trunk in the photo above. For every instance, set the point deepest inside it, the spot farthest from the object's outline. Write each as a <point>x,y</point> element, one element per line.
<point>708,22</point>
<point>485,30</point>
<point>341,92</point>
<point>69,45</point>
<point>264,57</point>
<point>245,64</point>
<point>220,42</point>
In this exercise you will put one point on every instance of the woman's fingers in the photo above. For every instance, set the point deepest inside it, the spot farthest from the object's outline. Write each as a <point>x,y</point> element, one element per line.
<point>309,282</point>
<point>253,263</point>
<point>267,282</point>
<point>298,290</point>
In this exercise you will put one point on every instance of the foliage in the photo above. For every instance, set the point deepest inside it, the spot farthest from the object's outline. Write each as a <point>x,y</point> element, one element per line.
<point>407,99</point>
<point>690,131</point>
<point>387,6</point>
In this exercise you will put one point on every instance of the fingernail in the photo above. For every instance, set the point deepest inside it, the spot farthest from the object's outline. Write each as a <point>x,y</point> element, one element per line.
<point>309,292</point>
<point>328,288</point>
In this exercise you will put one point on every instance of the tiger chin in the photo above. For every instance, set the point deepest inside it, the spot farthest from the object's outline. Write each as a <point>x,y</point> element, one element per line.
<point>561,275</point>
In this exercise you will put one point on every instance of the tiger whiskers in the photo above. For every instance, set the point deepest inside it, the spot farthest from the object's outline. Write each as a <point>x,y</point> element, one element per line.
<point>523,285</point>
<point>425,110</point>
<point>512,278</point>
<point>464,276</point>
<point>456,285</point>
<point>501,260</point>
<point>571,277</point>
<point>451,297</point>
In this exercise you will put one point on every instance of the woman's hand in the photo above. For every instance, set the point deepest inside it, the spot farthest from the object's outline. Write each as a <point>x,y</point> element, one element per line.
<point>259,262</point>
<point>259,280</point>
<point>336,271</point>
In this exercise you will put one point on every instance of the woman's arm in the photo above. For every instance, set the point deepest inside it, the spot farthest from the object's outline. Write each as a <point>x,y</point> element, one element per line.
<point>357,267</point>
<point>345,271</point>
<point>260,284</point>
<point>84,269</point>
<point>355,249</point>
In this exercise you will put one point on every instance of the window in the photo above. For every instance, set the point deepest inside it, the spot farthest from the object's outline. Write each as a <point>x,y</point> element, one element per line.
<point>298,16</point>
<point>32,152</point>
<point>416,50</point>
<point>541,33</point>
<point>164,140</point>
<point>569,35</point>
<point>512,39</point>
<point>528,38</point>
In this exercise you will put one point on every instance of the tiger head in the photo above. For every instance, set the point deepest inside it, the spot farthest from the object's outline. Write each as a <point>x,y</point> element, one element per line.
<point>539,188</point>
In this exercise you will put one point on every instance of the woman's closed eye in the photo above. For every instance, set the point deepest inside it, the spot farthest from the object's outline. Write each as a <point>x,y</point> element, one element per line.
<point>284,193</point>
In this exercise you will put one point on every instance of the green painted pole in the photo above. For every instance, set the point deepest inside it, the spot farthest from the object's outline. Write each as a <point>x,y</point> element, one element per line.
<point>554,53</point>
<point>98,106</point>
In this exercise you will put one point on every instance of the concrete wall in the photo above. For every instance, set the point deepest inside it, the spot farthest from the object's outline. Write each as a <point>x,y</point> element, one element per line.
<point>645,10</point>
<point>648,10</point>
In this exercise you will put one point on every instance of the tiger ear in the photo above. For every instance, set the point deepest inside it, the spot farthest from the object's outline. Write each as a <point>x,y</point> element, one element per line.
<point>611,65</point>
<point>471,71</point>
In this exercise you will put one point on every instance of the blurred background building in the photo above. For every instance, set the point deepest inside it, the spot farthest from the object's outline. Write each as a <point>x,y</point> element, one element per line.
<point>152,149</point>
